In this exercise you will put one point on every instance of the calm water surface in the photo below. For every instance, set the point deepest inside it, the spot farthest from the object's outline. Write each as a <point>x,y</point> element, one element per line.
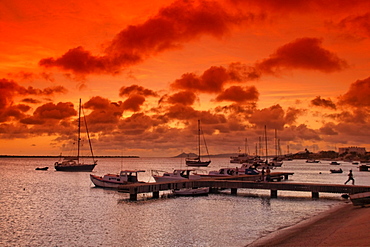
<point>49,208</point>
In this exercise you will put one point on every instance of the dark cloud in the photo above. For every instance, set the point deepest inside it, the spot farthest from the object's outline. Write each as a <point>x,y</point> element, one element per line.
<point>357,94</point>
<point>81,61</point>
<point>328,129</point>
<point>215,78</point>
<point>50,112</point>
<point>137,124</point>
<point>184,98</point>
<point>303,53</point>
<point>136,89</point>
<point>178,23</point>
<point>134,102</point>
<point>358,25</point>
<point>15,112</point>
<point>31,101</point>
<point>239,94</point>
<point>104,115</point>
<point>274,117</point>
<point>291,115</point>
<point>55,111</point>
<point>8,89</point>
<point>326,103</point>
<point>358,115</point>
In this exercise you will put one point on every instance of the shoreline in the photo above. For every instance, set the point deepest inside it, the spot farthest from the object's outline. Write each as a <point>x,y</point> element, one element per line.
<point>342,225</point>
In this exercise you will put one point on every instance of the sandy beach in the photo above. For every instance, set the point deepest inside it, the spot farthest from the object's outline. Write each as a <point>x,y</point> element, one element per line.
<point>343,225</point>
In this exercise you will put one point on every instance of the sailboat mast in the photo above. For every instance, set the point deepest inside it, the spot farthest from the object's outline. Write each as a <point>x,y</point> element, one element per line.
<point>79,132</point>
<point>266,144</point>
<point>199,139</point>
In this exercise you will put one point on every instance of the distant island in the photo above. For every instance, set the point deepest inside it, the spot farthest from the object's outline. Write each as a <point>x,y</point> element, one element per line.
<point>58,156</point>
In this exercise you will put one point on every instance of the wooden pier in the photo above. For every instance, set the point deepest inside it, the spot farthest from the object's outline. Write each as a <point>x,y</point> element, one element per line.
<point>242,181</point>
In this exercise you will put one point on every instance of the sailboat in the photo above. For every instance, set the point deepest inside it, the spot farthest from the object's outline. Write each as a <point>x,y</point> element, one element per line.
<point>74,164</point>
<point>197,161</point>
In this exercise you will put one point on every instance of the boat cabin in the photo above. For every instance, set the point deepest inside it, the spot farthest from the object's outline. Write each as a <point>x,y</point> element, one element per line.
<point>130,175</point>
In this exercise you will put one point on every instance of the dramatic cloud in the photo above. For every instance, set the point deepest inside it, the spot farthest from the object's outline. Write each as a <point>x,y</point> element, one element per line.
<point>358,24</point>
<point>239,94</point>
<point>174,25</point>
<point>184,98</point>
<point>136,89</point>
<point>50,111</point>
<point>7,91</point>
<point>215,78</point>
<point>304,53</point>
<point>326,103</point>
<point>14,111</point>
<point>10,89</point>
<point>137,124</point>
<point>275,117</point>
<point>328,129</point>
<point>358,94</point>
<point>134,102</point>
<point>105,115</point>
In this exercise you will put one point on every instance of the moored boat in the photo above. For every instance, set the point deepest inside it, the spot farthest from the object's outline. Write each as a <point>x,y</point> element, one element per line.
<point>113,181</point>
<point>177,174</point>
<point>364,168</point>
<point>336,170</point>
<point>197,161</point>
<point>42,168</point>
<point>312,161</point>
<point>360,199</point>
<point>222,172</point>
<point>335,163</point>
<point>74,164</point>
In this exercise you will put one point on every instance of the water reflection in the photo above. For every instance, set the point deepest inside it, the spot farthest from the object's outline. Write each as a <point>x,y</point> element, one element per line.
<point>63,209</point>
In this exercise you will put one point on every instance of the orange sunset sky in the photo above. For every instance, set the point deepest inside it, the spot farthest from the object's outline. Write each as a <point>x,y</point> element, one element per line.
<point>146,71</point>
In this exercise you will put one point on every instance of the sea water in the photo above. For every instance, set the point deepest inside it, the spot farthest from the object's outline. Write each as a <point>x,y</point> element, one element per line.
<point>50,208</point>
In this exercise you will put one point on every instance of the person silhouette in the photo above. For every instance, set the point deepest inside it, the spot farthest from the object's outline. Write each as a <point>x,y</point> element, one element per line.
<point>350,177</point>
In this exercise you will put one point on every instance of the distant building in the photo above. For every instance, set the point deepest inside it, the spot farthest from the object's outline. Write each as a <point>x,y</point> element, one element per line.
<point>358,150</point>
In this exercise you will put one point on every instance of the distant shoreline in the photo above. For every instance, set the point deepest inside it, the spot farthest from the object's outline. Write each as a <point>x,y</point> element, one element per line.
<point>58,156</point>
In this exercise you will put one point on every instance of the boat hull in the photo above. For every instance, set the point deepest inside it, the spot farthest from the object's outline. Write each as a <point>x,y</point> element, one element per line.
<point>75,168</point>
<point>42,168</point>
<point>99,182</point>
<point>197,163</point>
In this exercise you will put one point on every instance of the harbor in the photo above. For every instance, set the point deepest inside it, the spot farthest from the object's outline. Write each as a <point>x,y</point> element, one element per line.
<point>59,204</point>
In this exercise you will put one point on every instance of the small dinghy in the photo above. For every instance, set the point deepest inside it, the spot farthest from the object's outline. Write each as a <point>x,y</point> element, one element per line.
<point>42,168</point>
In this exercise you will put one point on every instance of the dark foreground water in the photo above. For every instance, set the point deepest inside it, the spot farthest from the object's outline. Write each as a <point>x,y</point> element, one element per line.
<point>49,208</point>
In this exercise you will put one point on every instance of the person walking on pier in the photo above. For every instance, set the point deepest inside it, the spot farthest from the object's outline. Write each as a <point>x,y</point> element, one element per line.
<point>268,174</point>
<point>263,174</point>
<point>350,177</point>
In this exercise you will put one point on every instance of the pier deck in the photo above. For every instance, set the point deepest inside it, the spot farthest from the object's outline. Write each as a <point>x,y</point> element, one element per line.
<point>242,181</point>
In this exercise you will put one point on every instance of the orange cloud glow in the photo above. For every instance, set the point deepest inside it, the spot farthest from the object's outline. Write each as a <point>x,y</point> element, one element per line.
<point>147,71</point>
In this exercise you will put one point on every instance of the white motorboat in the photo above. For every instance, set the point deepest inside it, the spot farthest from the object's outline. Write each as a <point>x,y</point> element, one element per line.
<point>113,181</point>
<point>221,172</point>
<point>178,174</point>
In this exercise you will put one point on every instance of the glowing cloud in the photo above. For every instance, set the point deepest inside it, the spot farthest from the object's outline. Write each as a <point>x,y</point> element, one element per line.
<point>304,53</point>
<point>174,25</point>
